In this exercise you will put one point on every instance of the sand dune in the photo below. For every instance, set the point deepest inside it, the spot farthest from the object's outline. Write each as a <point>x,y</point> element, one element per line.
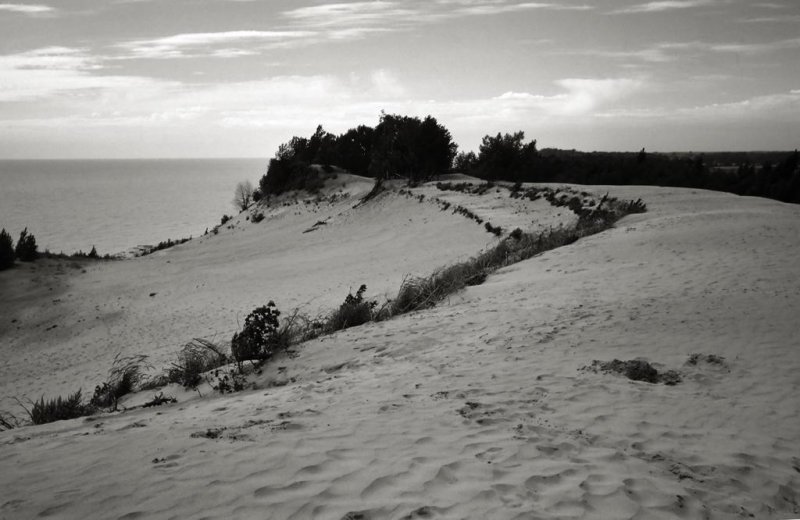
<point>479,408</point>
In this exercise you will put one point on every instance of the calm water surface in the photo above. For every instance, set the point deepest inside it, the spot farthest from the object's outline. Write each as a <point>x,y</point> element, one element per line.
<point>115,205</point>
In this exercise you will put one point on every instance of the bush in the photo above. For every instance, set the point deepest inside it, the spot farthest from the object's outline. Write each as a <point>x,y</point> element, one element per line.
<point>59,409</point>
<point>257,217</point>
<point>125,374</point>
<point>496,230</point>
<point>6,250</point>
<point>353,312</point>
<point>26,250</point>
<point>261,337</point>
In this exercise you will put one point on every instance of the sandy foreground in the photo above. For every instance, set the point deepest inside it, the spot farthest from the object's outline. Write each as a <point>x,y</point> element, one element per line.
<point>478,408</point>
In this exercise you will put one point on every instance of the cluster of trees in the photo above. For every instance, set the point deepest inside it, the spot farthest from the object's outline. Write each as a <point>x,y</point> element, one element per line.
<point>419,149</point>
<point>26,249</point>
<point>399,146</point>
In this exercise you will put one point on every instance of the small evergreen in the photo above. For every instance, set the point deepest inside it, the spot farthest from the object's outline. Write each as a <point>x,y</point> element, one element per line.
<point>6,250</point>
<point>26,250</point>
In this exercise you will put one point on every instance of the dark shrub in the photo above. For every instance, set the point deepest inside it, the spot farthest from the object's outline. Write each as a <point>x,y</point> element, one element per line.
<point>93,253</point>
<point>261,337</point>
<point>637,370</point>
<point>496,230</point>
<point>59,409</point>
<point>6,250</point>
<point>26,247</point>
<point>224,219</point>
<point>257,217</point>
<point>516,234</point>
<point>354,311</point>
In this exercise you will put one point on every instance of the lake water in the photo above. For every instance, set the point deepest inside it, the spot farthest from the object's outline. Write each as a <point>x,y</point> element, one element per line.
<point>115,205</point>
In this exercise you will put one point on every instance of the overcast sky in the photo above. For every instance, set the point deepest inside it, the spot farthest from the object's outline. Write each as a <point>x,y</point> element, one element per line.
<point>235,78</point>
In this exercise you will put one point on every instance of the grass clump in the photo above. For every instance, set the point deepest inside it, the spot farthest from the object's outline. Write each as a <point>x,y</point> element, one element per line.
<point>195,358</point>
<point>46,411</point>
<point>126,373</point>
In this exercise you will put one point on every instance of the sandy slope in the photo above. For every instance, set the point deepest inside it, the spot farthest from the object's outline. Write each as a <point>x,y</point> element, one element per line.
<point>479,408</point>
<point>77,318</point>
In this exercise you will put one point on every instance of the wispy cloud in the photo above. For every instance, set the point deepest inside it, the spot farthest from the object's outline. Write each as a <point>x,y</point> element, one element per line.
<point>791,18</point>
<point>393,15</point>
<point>484,8</point>
<point>775,107</point>
<point>29,9</point>
<point>351,14</point>
<point>214,44</point>
<point>665,5</point>
<point>47,71</point>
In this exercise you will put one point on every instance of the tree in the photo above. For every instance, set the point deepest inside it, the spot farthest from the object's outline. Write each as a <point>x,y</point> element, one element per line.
<point>243,195</point>
<point>407,147</point>
<point>26,247</point>
<point>507,157</point>
<point>355,149</point>
<point>6,250</point>
<point>465,162</point>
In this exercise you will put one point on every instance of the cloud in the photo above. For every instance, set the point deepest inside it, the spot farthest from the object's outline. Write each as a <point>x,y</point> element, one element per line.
<point>45,72</point>
<point>393,16</point>
<point>353,14</point>
<point>214,44</point>
<point>791,18</point>
<point>665,5</point>
<point>784,107</point>
<point>26,8</point>
<point>755,48</point>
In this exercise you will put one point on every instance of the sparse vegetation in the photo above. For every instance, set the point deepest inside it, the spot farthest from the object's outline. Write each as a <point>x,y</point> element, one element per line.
<point>422,292</point>
<point>159,399</point>
<point>166,244</point>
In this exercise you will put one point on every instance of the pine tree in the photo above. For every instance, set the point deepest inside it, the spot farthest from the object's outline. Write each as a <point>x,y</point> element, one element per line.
<point>26,247</point>
<point>6,250</point>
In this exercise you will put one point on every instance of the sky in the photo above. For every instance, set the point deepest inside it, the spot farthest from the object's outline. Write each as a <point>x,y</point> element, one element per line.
<point>235,78</point>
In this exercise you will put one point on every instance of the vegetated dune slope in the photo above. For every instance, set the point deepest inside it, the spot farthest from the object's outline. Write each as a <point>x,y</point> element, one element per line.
<point>66,337</point>
<point>480,407</point>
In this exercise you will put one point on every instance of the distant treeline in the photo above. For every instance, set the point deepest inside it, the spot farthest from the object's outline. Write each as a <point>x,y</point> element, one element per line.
<point>421,149</point>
